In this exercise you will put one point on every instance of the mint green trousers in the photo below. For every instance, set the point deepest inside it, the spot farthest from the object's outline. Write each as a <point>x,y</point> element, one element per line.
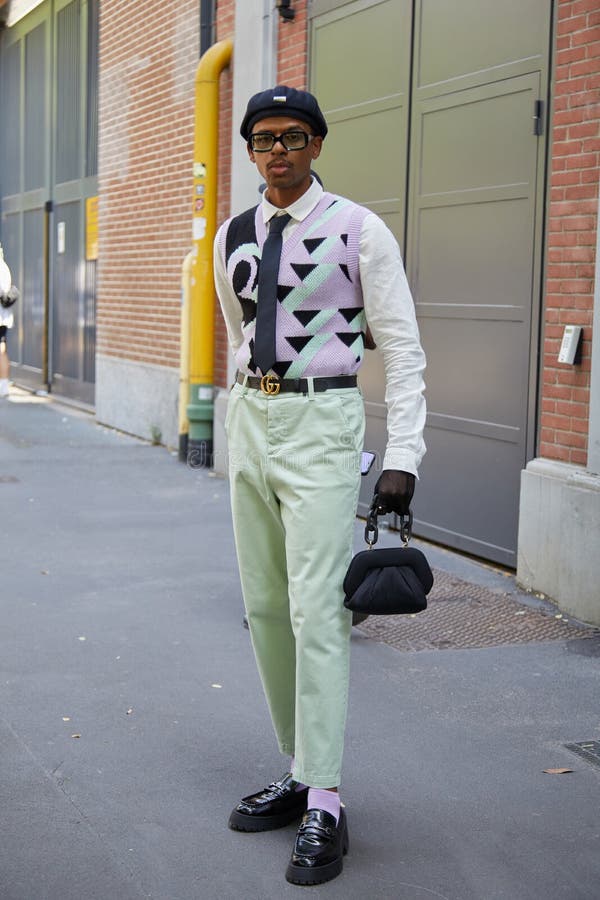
<point>294,465</point>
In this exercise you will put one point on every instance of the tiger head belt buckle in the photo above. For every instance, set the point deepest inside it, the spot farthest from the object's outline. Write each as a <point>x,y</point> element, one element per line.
<point>270,384</point>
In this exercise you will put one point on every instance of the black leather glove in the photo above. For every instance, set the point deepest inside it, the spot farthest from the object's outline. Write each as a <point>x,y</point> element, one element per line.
<point>394,490</point>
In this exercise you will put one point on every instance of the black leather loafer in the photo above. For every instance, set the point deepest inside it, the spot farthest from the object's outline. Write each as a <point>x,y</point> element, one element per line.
<point>319,850</point>
<point>278,805</point>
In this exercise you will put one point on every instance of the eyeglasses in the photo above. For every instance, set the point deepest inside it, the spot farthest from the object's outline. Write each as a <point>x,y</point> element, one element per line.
<point>263,141</point>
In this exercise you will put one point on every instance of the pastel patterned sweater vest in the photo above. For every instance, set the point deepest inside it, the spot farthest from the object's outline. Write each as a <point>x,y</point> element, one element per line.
<point>320,315</point>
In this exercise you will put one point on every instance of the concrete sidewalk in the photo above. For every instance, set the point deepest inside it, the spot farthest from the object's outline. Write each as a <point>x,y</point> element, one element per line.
<point>132,720</point>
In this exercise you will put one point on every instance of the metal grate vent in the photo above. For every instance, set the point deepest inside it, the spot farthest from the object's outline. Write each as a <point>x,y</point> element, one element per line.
<point>10,137</point>
<point>461,615</point>
<point>35,108</point>
<point>68,89</point>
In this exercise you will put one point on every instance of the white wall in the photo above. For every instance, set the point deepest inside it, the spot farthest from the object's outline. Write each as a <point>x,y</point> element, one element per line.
<point>147,407</point>
<point>559,514</point>
<point>559,526</point>
<point>254,70</point>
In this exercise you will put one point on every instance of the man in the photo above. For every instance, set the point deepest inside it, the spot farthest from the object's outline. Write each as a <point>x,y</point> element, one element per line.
<point>298,278</point>
<point>8,295</point>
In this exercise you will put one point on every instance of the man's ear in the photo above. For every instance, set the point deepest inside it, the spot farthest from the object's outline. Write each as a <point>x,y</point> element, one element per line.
<point>316,146</point>
<point>250,153</point>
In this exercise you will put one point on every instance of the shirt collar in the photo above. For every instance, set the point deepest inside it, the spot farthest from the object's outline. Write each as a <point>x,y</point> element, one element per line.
<point>298,210</point>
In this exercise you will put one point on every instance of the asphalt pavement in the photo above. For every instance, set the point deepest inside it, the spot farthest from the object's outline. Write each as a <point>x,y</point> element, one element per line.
<point>132,718</point>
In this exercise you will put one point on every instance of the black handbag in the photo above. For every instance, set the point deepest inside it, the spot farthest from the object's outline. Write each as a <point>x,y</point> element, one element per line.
<point>392,581</point>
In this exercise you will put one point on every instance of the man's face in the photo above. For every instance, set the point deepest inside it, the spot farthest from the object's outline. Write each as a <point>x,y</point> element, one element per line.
<point>285,170</point>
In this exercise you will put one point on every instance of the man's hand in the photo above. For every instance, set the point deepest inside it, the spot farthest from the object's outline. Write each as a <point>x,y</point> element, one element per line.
<point>394,490</point>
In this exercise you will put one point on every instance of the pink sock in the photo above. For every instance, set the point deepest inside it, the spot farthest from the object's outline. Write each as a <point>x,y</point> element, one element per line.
<point>319,798</point>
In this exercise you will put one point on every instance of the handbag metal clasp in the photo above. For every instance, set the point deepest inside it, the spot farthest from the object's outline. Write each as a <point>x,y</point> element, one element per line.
<point>371,529</point>
<point>406,527</point>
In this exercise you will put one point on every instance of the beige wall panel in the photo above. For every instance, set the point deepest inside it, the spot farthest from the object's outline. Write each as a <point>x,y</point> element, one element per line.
<point>499,275</point>
<point>475,35</point>
<point>355,53</point>
<point>482,137</point>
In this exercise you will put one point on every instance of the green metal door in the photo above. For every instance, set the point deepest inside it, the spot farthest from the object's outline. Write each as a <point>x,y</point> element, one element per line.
<point>459,84</point>
<point>360,71</point>
<point>25,53</point>
<point>49,168</point>
<point>474,259</point>
<point>73,277</point>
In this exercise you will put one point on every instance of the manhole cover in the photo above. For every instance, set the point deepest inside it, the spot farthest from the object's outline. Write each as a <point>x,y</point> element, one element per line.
<point>8,479</point>
<point>460,615</point>
<point>588,750</point>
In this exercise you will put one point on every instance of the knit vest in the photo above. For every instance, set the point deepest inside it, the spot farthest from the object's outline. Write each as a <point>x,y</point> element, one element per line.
<point>320,316</point>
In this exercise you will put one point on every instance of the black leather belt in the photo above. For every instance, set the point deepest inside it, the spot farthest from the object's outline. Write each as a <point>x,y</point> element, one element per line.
<point>273,385</point>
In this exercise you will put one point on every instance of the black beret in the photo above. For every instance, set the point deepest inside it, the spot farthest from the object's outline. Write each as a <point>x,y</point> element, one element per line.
<point>283,101</point>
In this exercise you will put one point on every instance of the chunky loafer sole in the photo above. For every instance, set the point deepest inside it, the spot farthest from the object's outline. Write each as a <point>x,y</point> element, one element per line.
<point>280,803</point>
<point>241,822</point>
<point>319,875</point>
<point>307,874</point>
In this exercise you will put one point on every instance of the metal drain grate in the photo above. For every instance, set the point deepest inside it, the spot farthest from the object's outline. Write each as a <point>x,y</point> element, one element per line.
<point>462,615</point>
<point>588,750</point>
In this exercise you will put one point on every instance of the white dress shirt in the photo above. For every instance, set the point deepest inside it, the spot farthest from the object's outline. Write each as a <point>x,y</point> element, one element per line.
<point>390,313</point>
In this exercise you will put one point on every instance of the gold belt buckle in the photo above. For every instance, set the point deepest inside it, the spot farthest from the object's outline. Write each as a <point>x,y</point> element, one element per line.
<point>270,384</point>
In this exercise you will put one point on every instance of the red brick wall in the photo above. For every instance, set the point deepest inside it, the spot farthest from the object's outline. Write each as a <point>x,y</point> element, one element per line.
<point>148,57</point>
<point>292,57</point>
<point>575,171</point>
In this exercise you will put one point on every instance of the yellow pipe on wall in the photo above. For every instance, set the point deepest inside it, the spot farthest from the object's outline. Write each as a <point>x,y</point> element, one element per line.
<point>202,326</point>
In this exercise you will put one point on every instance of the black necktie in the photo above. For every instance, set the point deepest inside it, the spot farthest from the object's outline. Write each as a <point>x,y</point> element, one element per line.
<point>266,308</point>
